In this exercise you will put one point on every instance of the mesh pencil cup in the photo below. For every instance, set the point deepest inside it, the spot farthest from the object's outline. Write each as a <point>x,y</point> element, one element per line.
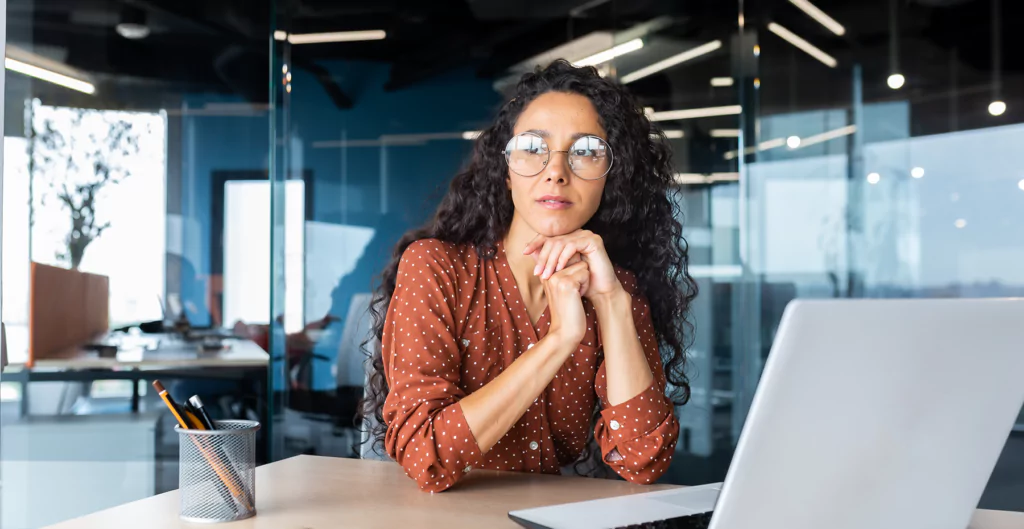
<point>217,472</point>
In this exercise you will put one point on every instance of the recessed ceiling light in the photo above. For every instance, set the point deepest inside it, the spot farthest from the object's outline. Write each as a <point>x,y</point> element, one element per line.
<point>132,31</point>
<point>132,25</point>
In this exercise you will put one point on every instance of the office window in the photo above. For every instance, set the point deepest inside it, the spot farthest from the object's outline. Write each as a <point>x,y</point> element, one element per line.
<point>15,250</point>
<point>98,201</point>
<point>247,252</point>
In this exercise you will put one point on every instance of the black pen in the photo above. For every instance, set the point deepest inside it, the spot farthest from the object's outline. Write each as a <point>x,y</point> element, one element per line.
<point>197,403</point>
<point>196,407</point>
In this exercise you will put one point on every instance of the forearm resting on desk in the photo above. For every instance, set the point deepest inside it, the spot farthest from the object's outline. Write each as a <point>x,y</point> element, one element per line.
<point>629,372</point>
<point>493,409</point>
<point>637,429</point>
<point>437,434</point>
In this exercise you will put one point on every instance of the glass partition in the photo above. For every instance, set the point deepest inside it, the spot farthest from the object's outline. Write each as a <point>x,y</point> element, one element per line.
<point>136,139</point>
<point>884,165</point>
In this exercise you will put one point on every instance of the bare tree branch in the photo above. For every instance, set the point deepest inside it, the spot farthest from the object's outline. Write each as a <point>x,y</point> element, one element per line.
<point>78,164</point>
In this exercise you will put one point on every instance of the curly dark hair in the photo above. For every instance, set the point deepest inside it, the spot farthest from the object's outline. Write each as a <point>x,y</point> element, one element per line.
<point>637,218</point>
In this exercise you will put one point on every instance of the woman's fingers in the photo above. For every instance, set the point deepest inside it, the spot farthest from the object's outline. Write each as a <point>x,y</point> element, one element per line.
<point>555,253</point>
<point>573,277</point>
<point>557,249</point>
<point>554,256</point>
<point>534,245</point>
<point>541,257</point>
<point>544,258</point>
<point>582,278</point>
<point>563,258</point>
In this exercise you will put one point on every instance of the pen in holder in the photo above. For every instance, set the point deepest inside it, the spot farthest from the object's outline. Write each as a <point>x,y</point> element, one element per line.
<point>217,472</point>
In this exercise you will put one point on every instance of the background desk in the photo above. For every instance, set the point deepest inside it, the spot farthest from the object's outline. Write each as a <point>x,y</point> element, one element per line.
<point>107,459</point>
<point>319,492</point>
<point>146,357</point>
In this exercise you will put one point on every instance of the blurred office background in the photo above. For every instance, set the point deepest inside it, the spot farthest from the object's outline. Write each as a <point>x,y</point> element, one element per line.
<point>251,163</point>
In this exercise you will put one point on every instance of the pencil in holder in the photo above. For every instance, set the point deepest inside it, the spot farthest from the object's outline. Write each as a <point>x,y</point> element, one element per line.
<point>217,472</point>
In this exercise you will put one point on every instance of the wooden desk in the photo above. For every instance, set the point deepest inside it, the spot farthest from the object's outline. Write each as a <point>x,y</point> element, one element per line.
<point>318,492</point>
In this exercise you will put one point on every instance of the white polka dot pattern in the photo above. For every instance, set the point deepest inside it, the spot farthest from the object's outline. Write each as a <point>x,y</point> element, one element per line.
<point>454,323</point>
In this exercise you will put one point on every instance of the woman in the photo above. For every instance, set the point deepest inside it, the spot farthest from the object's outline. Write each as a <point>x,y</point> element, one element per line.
<point>540,290</point>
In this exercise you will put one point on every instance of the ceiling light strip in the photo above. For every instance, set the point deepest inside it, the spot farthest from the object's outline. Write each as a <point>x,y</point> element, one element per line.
<point>826,136</point>
<point>803,45</point>
<point>611,53</point>
<point>819,16</point>
<point>49,76</point>
<point>693,113</point>
<point>710,178</point>
<point>337,36</point>
<point>725,133</point>
<point>674,60</point>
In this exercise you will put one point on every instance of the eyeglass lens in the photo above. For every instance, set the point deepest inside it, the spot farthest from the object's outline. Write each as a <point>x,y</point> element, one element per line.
<point>527,154</point>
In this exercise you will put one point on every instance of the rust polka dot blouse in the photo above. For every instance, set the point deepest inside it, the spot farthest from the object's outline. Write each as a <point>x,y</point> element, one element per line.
<point>454,323</point>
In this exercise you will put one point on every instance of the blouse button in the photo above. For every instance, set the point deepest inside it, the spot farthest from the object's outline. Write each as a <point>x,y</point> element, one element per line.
<point>534,445</point>
<point>528,347</point>
<point>468,468</point>
<point>465,342</point>
<point>614,425</point>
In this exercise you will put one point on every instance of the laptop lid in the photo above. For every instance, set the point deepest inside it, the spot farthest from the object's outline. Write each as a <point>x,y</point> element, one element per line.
<point>877,413</point>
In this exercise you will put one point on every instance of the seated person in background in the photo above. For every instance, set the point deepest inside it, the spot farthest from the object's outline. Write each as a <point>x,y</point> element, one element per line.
<point>529,311</point>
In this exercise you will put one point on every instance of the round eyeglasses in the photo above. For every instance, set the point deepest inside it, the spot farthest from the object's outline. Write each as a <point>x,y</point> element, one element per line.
<point>527,154</point>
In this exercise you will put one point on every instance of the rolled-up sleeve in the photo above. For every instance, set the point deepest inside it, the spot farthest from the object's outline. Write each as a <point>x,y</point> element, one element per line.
<point>638,437</point>
<point>427,432</point>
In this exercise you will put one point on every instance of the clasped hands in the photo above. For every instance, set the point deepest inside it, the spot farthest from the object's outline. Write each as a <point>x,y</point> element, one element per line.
<point>572,267</point>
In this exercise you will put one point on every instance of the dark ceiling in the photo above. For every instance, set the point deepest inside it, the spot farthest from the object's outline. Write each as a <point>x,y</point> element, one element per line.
<point>223,45</point>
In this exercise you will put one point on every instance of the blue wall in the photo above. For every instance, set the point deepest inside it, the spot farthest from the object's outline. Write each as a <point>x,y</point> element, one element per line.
<point>451,103</point>
<point>211,143</point>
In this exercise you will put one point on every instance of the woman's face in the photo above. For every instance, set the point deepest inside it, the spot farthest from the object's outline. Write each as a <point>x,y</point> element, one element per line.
<point>556,201</point>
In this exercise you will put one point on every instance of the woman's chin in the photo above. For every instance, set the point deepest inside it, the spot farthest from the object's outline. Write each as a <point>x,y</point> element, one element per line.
<point>555,229</point>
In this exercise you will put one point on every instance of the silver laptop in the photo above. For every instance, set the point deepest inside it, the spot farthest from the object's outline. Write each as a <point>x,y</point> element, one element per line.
<point>870,414</point>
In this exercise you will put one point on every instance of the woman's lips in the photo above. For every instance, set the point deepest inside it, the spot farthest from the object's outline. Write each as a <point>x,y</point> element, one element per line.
<point>552,202</point>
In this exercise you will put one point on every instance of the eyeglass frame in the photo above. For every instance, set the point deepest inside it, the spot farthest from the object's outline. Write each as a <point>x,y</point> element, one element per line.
<point>544,142</point>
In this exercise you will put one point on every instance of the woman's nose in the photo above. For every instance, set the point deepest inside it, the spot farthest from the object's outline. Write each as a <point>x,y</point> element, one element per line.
<point>557,169</point>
